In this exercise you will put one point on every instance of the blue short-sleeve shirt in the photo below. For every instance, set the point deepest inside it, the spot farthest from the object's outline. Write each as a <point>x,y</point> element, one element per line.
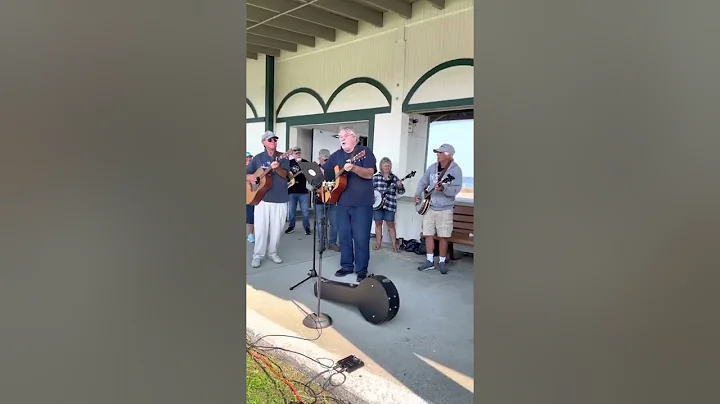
<point>359,191</point>
<point>278,192</point>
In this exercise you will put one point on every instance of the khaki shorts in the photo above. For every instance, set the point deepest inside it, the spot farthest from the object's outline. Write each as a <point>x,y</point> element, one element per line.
<point>438,223</point>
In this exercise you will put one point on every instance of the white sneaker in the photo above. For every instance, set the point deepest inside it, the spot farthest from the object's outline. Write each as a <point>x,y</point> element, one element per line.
<point>276,259</point>
<point>255,263</point>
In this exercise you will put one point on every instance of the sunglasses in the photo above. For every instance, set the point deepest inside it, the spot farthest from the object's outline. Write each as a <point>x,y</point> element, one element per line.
<point>272,140</point>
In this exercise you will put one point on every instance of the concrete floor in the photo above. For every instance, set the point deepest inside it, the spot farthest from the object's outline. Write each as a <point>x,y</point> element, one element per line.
<point>428,347</point>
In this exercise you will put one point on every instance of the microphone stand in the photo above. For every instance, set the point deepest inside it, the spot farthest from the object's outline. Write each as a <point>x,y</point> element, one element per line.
<point>312,273</point>
<point>316,320</point>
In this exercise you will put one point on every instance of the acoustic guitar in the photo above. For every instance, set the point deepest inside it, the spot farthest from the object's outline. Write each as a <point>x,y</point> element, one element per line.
<point>424,204</point>
<point>376,296</point>
<point>380,198</point>
<point>332,193</point>
<point>255,192</point>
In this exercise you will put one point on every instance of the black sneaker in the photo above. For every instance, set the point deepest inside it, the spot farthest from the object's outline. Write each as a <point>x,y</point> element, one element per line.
<point>360,277</point>
<point>442,267</point>
<point>343,272</point>
<point>307,232</point>
<point>428,265</point>
<point>290,230</point>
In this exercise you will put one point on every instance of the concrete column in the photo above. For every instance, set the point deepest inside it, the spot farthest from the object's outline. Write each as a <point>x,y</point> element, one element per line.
<point>404,139</point>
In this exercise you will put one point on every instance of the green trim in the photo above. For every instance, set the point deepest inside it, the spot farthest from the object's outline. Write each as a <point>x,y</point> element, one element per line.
<point>371,133</point>
<point>336,117</point>
<point>269,92</point>
<point>359,80</point>
<point>252,107</point>
<point>326,105</point>
<point>255,120</point>
<point>440,105</point>
<point>300,90</point>
<point>432,72</point>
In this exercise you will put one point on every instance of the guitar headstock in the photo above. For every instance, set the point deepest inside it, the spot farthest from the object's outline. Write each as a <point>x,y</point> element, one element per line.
<point>412,174</point>
<point>357,157</point>
<point>285,155</point>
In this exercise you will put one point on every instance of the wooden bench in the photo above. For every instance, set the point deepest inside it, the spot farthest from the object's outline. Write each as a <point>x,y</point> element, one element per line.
<point>463,223</point>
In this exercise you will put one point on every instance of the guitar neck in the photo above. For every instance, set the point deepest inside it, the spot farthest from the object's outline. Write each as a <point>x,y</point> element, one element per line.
<point>266,172</point>
<point>431,190</point>
<point>342,170</point>
<point>354,159</point>
<point>275,159</point>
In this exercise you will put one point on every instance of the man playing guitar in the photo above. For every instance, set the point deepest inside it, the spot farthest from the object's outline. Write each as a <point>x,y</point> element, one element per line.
<point>354,211</point>
<point>390,186</point>
<point>438,220</point>
<point>271,212</point>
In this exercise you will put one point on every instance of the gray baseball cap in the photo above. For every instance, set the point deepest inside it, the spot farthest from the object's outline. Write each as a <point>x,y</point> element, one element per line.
<point>445,148</point>
<point>324,154</point>
<point>268,135</point>
<point>296,149</point>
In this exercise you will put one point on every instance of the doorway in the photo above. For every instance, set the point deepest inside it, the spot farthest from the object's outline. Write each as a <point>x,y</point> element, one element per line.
<point>314,137</point>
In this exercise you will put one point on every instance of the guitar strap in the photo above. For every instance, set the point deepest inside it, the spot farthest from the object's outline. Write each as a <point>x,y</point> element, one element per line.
<point>442,174</point>
<point>354,152</point>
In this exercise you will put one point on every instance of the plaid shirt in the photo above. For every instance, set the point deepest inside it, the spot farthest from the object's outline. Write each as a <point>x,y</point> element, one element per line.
<point>391,192</point>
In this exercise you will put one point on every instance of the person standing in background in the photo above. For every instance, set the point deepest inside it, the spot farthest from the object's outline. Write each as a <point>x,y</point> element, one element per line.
<point>321,210</point>
<point>390,186</point>
<point>250,209</point>
<point>298,194</point>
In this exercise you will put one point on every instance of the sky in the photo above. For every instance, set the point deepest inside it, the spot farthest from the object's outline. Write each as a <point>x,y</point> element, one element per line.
<point>460,135</point>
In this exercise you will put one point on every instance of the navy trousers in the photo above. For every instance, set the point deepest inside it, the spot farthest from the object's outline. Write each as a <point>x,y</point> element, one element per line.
<point>353,224</point>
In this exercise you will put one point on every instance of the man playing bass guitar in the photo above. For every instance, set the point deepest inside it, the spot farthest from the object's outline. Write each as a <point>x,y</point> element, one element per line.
<point>271,212</point>
<point>438,220</point>
<point>354,212</point>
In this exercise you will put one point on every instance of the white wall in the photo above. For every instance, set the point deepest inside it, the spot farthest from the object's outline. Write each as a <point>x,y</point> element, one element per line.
<point>255,84</point>
<point>323,140</point>
<point>304,141</point>
<point>396,55</point>
<point>254,134</point>
<point>408,222</point>
<point>280,132</point>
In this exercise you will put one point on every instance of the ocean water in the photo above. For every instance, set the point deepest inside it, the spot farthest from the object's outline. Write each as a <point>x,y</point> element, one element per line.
<point>468,182</point>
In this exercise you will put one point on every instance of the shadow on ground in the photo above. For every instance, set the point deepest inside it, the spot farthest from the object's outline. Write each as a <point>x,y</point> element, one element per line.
<point>428,347</point>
